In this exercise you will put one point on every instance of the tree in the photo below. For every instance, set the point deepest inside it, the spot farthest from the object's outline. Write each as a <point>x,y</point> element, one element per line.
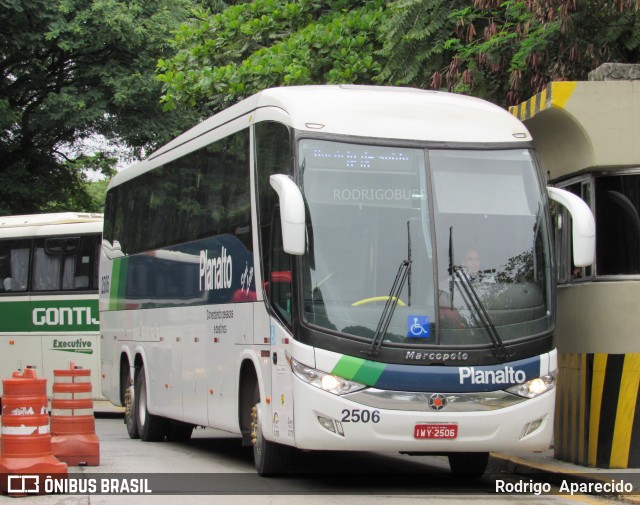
<point>70,70</point>
<point>414,34</point>
<point>507,50</point>
<point>224,57</point>
<point>501,50</point>
<point>91,194</point>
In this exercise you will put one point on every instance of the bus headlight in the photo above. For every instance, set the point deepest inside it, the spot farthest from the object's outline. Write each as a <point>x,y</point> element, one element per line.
<point>534,387</point>
<point>325,381</point>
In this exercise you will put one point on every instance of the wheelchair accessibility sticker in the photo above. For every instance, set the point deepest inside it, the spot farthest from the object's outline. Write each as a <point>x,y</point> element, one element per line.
<point>418,327</point>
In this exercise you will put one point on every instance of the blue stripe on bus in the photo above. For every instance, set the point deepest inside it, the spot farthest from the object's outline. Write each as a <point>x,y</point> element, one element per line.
<point>454,379</point>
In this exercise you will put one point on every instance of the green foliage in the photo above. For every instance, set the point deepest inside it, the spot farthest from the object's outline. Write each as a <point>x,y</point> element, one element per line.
<point>414,33</point>
<point>223,58</point>
<point>72,69</point>
<point>97,191</point>
<point>90,195</point>
<point>505,50</point>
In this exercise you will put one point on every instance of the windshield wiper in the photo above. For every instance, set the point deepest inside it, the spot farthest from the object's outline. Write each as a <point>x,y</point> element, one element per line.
<point>404,272</point>
<point>409,260</point>
<point>473,300</point>
<point>452,283</point>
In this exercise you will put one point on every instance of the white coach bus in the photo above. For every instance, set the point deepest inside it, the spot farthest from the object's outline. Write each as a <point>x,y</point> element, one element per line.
<point>338,268</point>
<point>49,294</point>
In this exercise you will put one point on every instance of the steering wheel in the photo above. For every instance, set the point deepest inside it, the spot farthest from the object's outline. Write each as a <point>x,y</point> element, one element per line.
<point>375,299</point>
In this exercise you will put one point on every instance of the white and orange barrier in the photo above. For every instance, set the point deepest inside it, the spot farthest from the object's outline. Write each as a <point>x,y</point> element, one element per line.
<point>73,428</point>
<point>26,439</point>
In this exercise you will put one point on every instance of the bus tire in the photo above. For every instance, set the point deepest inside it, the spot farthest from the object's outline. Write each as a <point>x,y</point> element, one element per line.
<point>468,464</point>
<point>151,428</point>
<point>130,414</point>
<point>269,458</point>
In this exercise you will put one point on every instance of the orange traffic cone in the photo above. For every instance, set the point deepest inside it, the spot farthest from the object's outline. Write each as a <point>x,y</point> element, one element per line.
<point>27,458</point>
<point>73,427</point>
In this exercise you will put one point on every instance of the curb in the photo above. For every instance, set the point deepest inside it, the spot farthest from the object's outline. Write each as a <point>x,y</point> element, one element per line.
<point>557,472</point>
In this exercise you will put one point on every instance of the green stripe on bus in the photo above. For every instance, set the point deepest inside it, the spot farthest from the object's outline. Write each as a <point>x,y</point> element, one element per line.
<point>113,288</point>
<point>15,316</point>
<point>360,370</point>
<point>49,316</point>
<point>369,373</point>
<point>118,284</point>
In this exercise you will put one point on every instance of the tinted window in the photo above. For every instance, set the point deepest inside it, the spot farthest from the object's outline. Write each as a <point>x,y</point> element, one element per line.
<point>65,263</point>
<point>618,224</point>
<point>616,208</point>
<point>273,156</point>
<point>14,265</point>
<point>202,194</point>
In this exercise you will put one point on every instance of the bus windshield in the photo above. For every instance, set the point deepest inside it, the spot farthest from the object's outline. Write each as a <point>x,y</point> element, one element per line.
<point>468,226</point>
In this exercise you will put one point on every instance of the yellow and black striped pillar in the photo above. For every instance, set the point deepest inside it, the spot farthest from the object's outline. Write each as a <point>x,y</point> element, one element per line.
<point>597,420</point>
<point>555,95</point>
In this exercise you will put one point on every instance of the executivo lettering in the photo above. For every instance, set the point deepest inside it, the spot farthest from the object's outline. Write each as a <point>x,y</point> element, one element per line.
<point>79,345</point>
<point>507,375</point>
<point>63,316</point>
<point>215,273</point>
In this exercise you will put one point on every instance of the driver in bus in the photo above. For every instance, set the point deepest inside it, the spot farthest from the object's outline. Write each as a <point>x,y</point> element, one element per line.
<point>471,262</point>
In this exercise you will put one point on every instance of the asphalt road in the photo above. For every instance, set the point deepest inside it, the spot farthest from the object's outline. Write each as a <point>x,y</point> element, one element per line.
<point>213,468</point>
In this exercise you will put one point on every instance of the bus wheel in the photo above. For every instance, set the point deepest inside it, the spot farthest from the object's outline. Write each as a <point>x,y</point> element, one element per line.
<point>130,414</point>
<point>269,458</point>
<point>152,428</point>
<point>468,464</point>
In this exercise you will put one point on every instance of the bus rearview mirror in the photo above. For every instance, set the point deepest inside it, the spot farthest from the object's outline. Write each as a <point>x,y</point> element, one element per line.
<point>584,226</point>
<point>292,213</point>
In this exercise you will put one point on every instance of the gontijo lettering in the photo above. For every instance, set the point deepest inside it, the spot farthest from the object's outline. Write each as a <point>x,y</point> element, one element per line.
<point>60,316</point>
<point>215,273</point>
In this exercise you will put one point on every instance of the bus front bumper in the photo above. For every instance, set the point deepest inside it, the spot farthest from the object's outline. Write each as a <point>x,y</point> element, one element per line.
<point>324,421</point>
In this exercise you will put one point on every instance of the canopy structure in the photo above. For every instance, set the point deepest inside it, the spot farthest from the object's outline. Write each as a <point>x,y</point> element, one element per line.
<point>588,134</point>
<point>584,126</point>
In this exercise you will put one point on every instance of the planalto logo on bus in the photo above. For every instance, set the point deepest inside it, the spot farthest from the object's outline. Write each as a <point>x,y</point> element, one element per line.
<point>63,316</point>
<point>506,375</point>
<point>215,273</point>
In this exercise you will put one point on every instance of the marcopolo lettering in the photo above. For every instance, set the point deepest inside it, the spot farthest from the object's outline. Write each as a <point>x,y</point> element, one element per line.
<point>215,273</point>
<point>506,375</point>
<point>63,316</point>
<point>436,356</point>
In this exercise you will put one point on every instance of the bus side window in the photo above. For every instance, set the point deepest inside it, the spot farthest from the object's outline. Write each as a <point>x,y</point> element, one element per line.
<point>273,156</point>
<point>280,285</point>
<point>14,265</point>
<point>64,264</point>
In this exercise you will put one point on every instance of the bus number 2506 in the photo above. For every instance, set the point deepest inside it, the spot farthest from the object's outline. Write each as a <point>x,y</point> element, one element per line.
<point>360,416</point>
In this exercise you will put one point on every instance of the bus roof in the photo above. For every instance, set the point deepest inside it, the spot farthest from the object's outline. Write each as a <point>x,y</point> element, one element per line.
<point>362,111</point>
<point>29,220</point>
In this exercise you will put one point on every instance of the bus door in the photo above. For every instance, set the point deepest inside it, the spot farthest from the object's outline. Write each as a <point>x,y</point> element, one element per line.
<point>279,289</point>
